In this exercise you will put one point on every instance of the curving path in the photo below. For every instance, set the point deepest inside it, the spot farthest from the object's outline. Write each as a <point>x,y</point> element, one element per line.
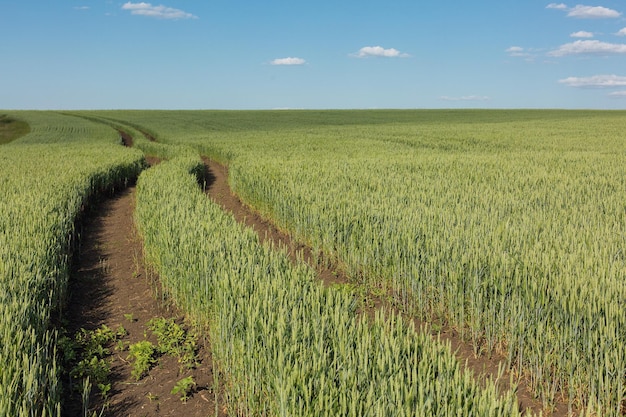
<point>219,191</point>
<point>110,286</point>
<point>109,283</point>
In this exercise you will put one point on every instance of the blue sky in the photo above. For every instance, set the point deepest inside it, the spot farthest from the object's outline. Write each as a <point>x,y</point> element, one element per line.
<point>235,54</point>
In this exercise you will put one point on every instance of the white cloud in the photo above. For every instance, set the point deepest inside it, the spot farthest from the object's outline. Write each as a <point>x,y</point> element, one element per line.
<point>585,12</point>
<point>589,48</point>
<point>592,12</point>
<point>81,8</point>
<point>581,34</point>
<point>528,54</point>
<point>368,51</point>
<point>465,98</point>
<point>515,50</point>
<point>618,94</point>
<point>288,61</point>
<point>160,12</point>
<point>595,81</point>
<point>622,32</point>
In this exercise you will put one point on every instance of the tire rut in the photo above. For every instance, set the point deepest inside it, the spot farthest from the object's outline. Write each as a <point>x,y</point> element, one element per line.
<point>110,285</point>
<point>484,368</point>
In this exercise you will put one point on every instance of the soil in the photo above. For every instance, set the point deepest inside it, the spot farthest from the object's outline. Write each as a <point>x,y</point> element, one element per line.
<point>127,139</point>
<point>110,286</point>
<point>482,366</point>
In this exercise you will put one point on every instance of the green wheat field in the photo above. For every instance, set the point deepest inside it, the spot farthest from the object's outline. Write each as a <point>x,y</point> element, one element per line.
<point>506,225</point>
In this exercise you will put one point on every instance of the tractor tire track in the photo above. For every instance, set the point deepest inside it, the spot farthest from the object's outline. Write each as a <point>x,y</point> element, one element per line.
<point>483,367</point>
<point>111,286</point>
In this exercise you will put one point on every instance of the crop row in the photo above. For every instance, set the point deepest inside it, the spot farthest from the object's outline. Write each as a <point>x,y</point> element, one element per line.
<point>44,189</point>
<point>288,346</point>
<point>516,241</point>
<point>54,127</point>
<point>507,225</point>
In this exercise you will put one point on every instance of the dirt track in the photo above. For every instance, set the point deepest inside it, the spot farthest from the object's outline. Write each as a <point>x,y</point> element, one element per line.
<point>109,283</point>
<point>219,191</point>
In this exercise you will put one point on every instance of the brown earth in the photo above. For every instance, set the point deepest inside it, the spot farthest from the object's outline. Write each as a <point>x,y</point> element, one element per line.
<point>110,286</point>
<point>127,140</point>
<point>482,366</point>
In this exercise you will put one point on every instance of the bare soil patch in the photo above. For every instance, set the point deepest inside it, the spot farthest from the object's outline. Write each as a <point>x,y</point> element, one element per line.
<point>127,139</point>
<point>110,286</point>
<point>483,366</point>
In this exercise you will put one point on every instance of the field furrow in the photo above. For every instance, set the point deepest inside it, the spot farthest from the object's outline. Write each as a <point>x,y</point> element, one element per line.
<point>370,304</point>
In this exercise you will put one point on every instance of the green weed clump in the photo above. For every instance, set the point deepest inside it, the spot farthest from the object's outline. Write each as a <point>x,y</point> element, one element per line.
<point>86,358</point>
<point>173,340</point>
<point>183,388</point>
<point>142,354</point>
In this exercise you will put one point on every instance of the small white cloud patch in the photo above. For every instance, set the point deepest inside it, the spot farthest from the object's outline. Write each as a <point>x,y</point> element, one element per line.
<point>528,54</point>
<point>288,61</point>
<point>595,81</point>
<point>559,6</point>
<point>159,12</point>
<point>379,51</point>
<point>517,51</point>
<point>589,48</point>
<point>622,32</point>
<point>592,12</point>
<point>618,94</point>
<point>586,12</point>
<point>581,34</point>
